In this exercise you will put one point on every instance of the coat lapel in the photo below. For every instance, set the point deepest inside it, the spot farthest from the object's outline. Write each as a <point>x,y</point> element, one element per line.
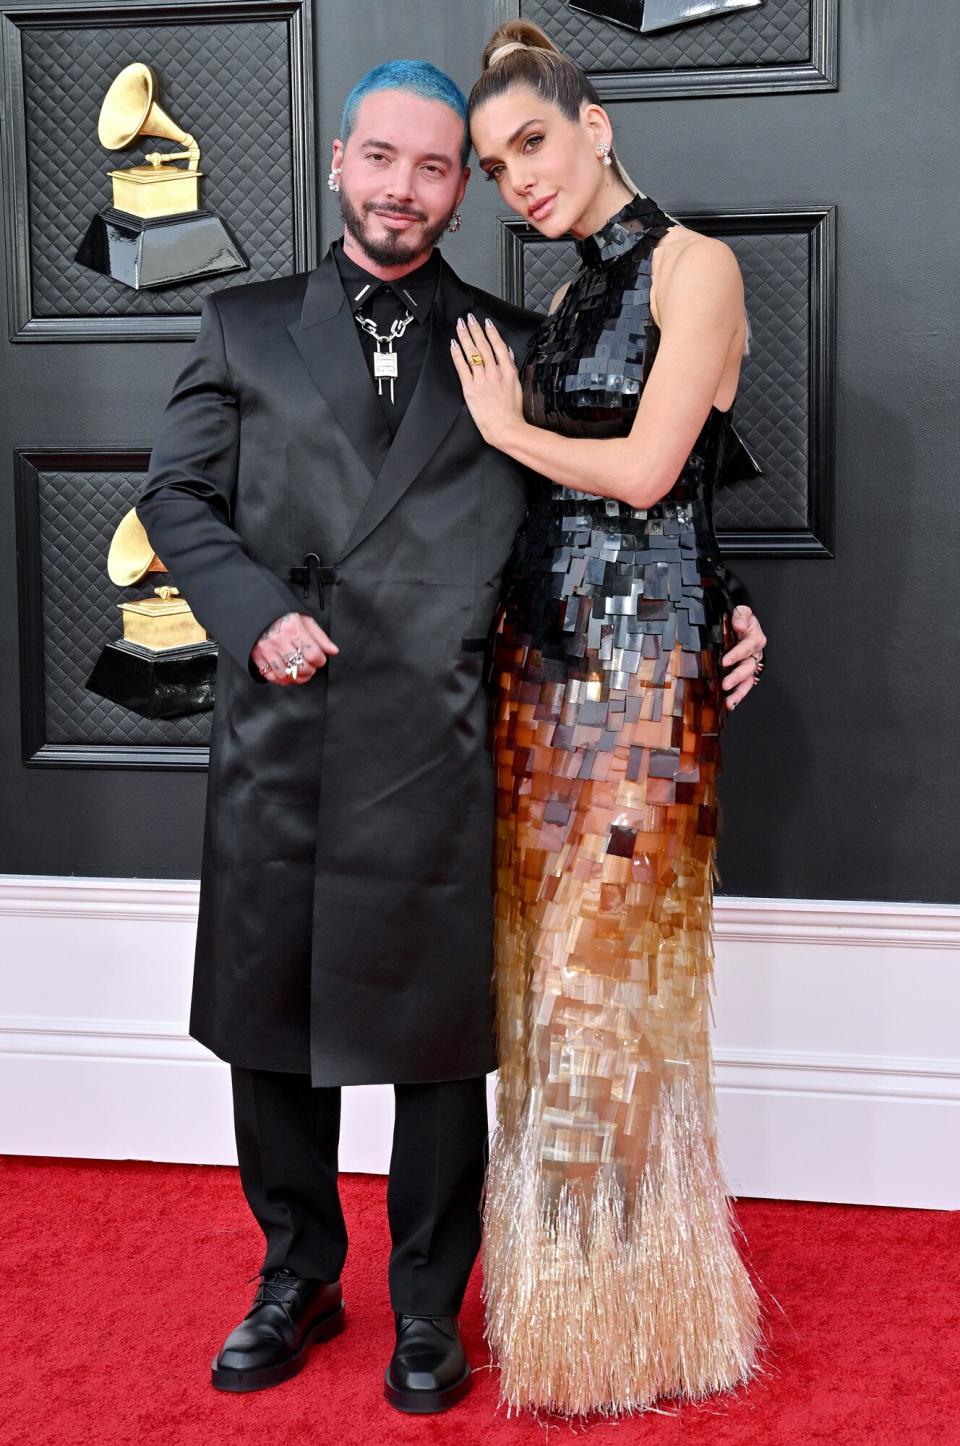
<point>327,339</point>
<point>435,405</point>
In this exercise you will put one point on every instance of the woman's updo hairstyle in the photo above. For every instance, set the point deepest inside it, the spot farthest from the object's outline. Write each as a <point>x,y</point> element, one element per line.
<point>519,53</point>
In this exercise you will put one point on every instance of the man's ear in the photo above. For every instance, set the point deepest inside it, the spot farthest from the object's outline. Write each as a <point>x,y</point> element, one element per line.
<point>337,154</point>
<point>463,184</point>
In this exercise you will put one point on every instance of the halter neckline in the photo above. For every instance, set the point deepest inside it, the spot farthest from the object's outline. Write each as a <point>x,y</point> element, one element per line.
<point>623,231</point>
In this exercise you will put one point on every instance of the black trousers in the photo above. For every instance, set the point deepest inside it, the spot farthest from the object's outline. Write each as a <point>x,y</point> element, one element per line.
<point>288,1135</point>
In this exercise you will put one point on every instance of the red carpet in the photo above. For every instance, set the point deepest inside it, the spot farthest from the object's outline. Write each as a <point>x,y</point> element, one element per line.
<point>121,1279</point>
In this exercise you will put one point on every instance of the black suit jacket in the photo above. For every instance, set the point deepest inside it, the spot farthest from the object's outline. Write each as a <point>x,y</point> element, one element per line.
<point>345,911</point>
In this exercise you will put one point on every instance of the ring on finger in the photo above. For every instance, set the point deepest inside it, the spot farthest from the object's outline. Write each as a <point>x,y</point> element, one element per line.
<point>476,359</point>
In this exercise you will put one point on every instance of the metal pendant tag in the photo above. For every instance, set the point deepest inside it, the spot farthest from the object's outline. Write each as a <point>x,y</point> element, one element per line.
<point>385,364</point>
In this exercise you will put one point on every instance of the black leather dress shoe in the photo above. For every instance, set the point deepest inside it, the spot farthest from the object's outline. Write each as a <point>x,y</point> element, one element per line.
<point>429,1370</point>
<point>272,1342</point>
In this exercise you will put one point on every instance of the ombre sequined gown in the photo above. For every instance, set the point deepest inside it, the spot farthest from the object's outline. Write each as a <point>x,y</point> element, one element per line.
<point>611,1271</point>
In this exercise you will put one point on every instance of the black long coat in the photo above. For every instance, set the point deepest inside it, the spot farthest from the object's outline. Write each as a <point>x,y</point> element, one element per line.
<point>345,906</point>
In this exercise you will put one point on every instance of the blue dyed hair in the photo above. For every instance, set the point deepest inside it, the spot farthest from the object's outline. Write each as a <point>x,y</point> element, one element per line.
<point>418,77</point>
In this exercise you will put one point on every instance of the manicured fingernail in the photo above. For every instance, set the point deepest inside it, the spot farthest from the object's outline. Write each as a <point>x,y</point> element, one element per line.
<point>460,323</point>
<point>489,323</point>
<point>471,318</point>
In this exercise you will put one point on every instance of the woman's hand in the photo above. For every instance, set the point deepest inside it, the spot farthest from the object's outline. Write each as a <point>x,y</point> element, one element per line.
<point>488,375</point>
<point>744,657</point>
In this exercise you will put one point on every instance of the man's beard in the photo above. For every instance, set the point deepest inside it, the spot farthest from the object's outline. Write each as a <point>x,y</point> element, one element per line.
<point>391,249</point>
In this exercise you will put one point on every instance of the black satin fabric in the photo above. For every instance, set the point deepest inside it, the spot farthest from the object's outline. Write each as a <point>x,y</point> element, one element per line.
<point>345,911</point>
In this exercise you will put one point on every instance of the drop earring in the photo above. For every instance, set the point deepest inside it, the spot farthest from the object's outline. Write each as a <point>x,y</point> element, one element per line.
<point>455,222</point>
<point>603,151</point>
<point>333,180</point>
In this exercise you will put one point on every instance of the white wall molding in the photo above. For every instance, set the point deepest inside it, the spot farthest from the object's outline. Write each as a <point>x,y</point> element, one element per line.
<point>820,921</point>
<point>164,901</point>
<point>838,923</point>
<point>837,1062</point>
<point>767,1070</point>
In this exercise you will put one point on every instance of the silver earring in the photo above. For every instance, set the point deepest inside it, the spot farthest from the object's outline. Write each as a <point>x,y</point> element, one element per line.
<point>455,222</point>
<point>603,151</point>
<point>333,180</point>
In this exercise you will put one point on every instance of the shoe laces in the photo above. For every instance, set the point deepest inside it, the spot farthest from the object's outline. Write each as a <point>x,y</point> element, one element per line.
<point>436,1320</point>
<point>275,1287</point>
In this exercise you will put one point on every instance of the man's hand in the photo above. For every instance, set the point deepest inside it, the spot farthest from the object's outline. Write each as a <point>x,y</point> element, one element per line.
<point>742,659</point>
<point>291,650</point>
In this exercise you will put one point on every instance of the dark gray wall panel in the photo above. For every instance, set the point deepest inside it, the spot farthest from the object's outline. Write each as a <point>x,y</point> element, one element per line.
<point>229,73</point>
<point>838,781</point>
<point>779,45</point>
<point>68,508</point>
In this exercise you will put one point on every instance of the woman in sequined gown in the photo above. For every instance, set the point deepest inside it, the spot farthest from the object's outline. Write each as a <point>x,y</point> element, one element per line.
<point>612,1276</point>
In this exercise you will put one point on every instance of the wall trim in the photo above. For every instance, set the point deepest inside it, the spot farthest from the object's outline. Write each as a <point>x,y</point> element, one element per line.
<point>38,895</point>
<point>771,1070</point>
<point>736,916</point>
<point>836,1079</point>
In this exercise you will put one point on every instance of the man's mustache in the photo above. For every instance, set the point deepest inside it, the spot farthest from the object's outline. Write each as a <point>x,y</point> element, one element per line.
<point>395,211</point>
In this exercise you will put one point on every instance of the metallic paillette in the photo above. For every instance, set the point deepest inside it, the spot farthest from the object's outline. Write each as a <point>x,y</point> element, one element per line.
<point>611,1272</point>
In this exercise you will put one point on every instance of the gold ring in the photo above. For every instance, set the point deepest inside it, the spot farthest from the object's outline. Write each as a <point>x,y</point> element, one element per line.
<point>476,359</point>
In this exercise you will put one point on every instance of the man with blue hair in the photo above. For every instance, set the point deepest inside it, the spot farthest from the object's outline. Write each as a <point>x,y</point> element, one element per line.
<point>317,477</point>
<point>321,494</point>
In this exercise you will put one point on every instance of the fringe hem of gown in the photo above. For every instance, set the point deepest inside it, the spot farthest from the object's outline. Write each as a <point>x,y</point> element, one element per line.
<point>594,1305</point>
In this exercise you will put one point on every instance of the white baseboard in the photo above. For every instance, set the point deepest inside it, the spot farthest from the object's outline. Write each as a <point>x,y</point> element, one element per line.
<point>836,1042</point>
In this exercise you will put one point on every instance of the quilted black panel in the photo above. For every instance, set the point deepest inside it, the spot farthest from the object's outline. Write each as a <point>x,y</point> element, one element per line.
<point>78,513</point>
<point>778,33</point>
<point>226,83</point>
<point>772,410</point>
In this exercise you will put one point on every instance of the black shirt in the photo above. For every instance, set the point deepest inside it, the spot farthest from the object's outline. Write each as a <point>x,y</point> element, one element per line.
<point>384,302</point>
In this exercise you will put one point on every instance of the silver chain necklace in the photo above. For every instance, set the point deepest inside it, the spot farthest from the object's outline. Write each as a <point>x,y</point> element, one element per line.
<point>384,362</point>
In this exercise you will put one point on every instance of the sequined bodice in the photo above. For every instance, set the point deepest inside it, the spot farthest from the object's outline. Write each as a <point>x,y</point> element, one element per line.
<point>583,376</point>
<point>586,366</point>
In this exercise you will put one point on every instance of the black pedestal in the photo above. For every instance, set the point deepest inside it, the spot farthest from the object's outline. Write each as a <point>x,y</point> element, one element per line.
<point>167,684</point>
<point>159,252</point>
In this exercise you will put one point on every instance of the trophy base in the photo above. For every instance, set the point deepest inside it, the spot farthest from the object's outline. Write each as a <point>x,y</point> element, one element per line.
<point>146,252</point>
<point>647,17</point>
<point>166,684</point>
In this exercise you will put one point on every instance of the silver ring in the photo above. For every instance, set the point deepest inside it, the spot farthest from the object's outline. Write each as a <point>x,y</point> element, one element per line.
<point>295,661</point>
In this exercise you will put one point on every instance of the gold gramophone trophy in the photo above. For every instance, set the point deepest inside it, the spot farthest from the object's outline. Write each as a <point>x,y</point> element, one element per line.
<point>156,232</point>
<point>164,665</point>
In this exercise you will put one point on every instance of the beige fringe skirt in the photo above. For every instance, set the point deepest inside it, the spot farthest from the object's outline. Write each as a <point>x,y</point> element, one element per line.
<point>611,1273</point>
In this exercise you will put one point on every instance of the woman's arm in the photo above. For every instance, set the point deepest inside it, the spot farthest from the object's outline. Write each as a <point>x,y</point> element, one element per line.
<point>701,322</point>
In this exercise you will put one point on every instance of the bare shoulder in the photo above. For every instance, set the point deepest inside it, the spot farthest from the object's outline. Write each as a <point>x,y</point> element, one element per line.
<point>691,264</point>
<point>693,257</point>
